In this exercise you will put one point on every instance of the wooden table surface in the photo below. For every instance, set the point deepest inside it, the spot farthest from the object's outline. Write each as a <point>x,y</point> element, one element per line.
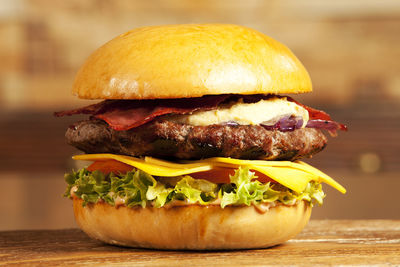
<point>363,242</point>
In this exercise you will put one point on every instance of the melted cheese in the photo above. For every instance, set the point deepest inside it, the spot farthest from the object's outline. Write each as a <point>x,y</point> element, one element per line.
<point>293,175</point>
<point>269,111</point>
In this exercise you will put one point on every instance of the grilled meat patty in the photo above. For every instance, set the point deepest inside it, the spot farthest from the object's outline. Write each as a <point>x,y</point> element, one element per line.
<point>167,139</point>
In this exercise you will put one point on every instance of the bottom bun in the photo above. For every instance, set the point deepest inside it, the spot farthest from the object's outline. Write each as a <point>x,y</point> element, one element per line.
<point>192,227</point>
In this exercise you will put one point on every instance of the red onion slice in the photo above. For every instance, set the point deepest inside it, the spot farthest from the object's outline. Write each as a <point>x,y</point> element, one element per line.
<point>285,124</point>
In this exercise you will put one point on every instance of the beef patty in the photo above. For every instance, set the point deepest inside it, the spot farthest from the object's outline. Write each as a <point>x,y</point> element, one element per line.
<point>167,139</point>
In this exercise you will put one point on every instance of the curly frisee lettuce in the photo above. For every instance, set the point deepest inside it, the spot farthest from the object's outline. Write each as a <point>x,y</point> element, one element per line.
<point>137,188</point>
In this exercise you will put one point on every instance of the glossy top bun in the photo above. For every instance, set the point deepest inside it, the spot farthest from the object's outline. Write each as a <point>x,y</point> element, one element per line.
<point>192,227</point>
<point>177,61</point>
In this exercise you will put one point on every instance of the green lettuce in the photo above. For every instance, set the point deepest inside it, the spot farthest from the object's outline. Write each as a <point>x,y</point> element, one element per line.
<point>137,188</point>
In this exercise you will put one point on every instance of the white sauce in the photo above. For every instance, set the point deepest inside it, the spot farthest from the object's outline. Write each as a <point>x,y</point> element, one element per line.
<point>261,207</point>
<point>119,201</point>
<point>73,190</point>
<point>270,111</point>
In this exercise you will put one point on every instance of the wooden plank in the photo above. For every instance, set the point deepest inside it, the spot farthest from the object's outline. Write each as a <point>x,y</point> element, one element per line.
<point>359,242</point>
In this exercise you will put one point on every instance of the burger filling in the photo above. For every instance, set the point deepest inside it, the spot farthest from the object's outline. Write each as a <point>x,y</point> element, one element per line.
<point>231,127</point>
<point>266,112</point>
<point>137,188</point>
<point>246,127</point>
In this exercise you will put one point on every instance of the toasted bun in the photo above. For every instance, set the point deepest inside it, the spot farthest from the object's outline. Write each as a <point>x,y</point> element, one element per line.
<point>178,61</point>
<point>192,227</point>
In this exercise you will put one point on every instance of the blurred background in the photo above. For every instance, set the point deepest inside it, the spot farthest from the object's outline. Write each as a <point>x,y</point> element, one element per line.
<point>350,48</point>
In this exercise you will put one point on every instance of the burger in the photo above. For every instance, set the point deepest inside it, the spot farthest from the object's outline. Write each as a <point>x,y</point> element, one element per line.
<point>195,143</point>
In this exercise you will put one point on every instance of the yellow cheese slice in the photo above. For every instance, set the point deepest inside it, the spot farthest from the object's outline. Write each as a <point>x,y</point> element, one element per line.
<point>152,169</point>
<point>313,173</point>
<point>323,177</point>
<point>294,179</point>
<point>169,164</point>
<point>293,175</point>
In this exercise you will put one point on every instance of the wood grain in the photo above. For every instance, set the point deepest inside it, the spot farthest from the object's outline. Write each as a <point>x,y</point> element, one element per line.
<point>328,242</point>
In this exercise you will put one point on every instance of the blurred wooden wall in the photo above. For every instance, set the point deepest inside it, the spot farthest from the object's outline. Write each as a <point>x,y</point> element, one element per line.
<point>351,49</point>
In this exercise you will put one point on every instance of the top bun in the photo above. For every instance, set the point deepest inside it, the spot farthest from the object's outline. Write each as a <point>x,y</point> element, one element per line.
<point>177,61</point>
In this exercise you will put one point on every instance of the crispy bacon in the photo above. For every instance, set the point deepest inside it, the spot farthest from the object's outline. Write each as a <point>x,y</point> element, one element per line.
<point>123,115</point>
<point>320,119</point>
<point>127,114</point>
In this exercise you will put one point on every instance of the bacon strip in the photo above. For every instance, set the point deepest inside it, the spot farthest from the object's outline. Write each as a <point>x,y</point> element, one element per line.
<point>321,119</point>
<point>123,115</point>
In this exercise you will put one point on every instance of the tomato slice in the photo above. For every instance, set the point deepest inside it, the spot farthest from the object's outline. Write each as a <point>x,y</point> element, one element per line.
<point>107,166</point>
<point>217,176</point>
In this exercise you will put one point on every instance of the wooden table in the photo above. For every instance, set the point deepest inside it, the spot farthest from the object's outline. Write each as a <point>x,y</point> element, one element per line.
<point>375,242</point>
